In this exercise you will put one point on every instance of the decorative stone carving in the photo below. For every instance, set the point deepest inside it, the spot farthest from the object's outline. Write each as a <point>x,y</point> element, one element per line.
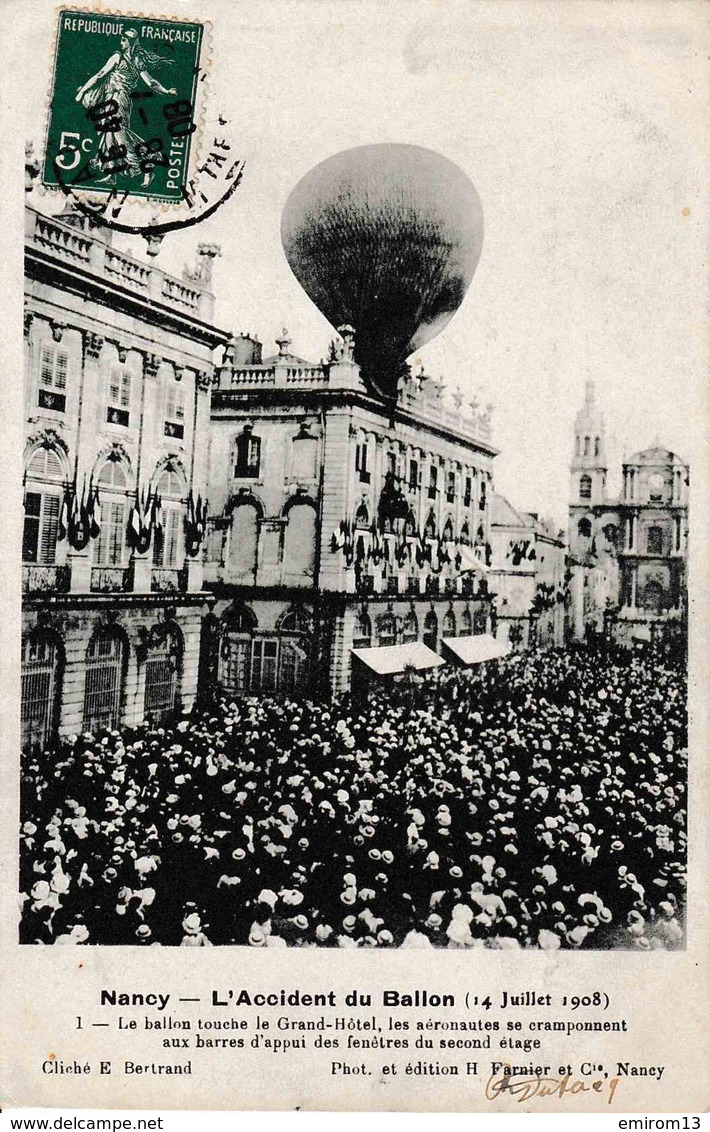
<point>57,329</point>
<point>204,380</point>
<point>28,320</point>
<point>93,344</point>
<point>151,364</point>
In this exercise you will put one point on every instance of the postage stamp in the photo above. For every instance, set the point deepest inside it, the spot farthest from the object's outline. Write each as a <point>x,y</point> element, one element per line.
<point>123,104</point>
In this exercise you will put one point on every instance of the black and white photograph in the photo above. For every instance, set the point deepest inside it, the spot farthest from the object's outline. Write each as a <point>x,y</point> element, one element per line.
<point>357,498</point>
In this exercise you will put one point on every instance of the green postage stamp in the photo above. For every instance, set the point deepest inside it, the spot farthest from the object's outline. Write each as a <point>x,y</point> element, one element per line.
<point>123,104</point>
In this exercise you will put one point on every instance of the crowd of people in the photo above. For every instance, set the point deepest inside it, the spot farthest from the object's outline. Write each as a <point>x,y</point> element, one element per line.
<point>537,802</point>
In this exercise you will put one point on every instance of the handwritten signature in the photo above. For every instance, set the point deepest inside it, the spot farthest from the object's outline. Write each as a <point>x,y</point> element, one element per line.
<point>524,1088</point>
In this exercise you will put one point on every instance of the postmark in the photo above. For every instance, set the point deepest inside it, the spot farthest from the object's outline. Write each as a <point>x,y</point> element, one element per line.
<point>124,105</point>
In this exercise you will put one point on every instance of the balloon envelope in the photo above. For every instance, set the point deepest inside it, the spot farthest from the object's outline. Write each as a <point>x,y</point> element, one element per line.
<point>384,238</point>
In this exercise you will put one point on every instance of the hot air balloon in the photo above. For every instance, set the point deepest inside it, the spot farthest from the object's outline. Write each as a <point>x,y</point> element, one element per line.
<point>384,238</point>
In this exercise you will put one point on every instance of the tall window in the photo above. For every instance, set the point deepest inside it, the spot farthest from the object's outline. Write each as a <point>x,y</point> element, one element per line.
<point>362,633</point>
<point>392,463</point>
<point>243,538</point>
<point>119,397</point>
<point>235,653</point>
<point>585,487</point>
<point>654,540</point>
<point>109,547</point>
<point>386,629</point>
<point>410,628</point>
<point>431,630</point>
<point>467,492</point>
<point>41,688</point>
<point>413,475</point>
<point>584,527</point>
<point>264,665</point>
<point>482,498</point>
<point>465,534</point>
<point>361,468</point>
<point>656,488</point>
<point>53,379</point>
<point>433,479</point>
<point>247,452</point>
<point>43,498</point>
<point>161,676</point>
<point>103,693</point>
<point>466,623</point>
<point>449,626</point>
<point>167,543</point>
<point>450,486</point>
<point>299,553</point>
<point>174,423</point>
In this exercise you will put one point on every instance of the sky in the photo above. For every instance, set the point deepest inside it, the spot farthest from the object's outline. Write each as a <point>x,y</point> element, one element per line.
<point>580,125</point>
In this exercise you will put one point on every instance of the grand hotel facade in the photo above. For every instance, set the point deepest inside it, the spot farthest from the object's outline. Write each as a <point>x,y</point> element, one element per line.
<point>197,515</point>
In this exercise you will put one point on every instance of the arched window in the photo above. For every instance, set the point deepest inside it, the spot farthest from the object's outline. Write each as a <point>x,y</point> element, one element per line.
<point>238,627</point>
<point>243,542</point>
<point>466,623</point>
<point>362,632</point>
<point>448,532</point>
<point>586,446</point>
<point>105,672</point>
<point>656,488</point>
<point>584,528</point>
<point>465,534</point>
<point>596,445</point>
<point>410,628</point>
<point>162,670</point>
<point>299,554</point>
<point>362,516</point>
<point>431,630</point>
<point>654,540</point>
<point>42,667</point>
<point>651,597</point>
<point>585,487</point>
<point>386,629</point>
<point>294,650</point>
<point>430,525</point>
<point>449,627</point>
<point>168,543</point>
<point>44,477</point>
<point>109,547</point>
<point>247,455</point>
<point>410,523</point>
<point>294,621</point>
<point>611,533</point>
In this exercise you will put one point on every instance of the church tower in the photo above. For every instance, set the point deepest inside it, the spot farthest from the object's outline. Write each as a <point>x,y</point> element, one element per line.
<point>587,472</point>
<point>588,467</point>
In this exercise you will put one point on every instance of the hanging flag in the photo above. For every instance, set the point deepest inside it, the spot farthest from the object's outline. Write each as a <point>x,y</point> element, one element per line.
<point>65,513</point>
<point>94,511</point>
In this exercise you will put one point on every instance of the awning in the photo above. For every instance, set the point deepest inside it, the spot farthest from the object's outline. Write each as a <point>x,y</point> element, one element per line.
<point>388,660</point>
<point>476,649</point>
<point>470,562</point>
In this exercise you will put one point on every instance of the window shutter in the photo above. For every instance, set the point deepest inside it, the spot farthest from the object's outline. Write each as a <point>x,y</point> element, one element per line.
<point>30,534</point>
<point>48,527</point>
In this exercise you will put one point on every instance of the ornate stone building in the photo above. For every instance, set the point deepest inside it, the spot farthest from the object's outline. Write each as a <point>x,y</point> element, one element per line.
<point>527,577</point>
<point>117,408</point>
<point>335,523</point>
<point>629,553</point>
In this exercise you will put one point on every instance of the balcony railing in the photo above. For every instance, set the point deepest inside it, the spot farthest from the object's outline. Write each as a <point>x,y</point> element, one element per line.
<point>168,580</point>
<point>46,579</point>
<point>111,579</point>
<point>51,235</point>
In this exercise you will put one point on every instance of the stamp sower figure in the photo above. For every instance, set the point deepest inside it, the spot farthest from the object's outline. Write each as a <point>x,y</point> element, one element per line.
<point>116,81</point>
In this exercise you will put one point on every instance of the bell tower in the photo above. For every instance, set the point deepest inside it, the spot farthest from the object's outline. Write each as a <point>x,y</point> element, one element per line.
<point>588,466</point>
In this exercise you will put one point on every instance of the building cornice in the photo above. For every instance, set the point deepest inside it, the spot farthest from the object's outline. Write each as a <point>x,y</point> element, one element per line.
<point>316,399</point>
<point>72,278</point>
